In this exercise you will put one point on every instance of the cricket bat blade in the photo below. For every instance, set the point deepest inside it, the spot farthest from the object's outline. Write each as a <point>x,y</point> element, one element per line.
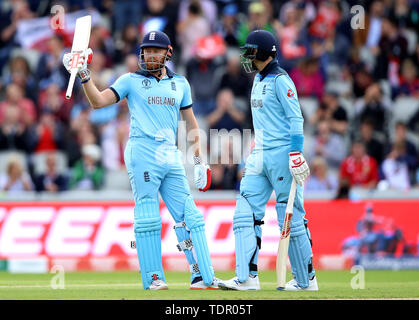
<point>80,44</point>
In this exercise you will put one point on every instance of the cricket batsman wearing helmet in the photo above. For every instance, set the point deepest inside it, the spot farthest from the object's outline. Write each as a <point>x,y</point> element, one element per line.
<point>276,158</point>
<point>155,95</point>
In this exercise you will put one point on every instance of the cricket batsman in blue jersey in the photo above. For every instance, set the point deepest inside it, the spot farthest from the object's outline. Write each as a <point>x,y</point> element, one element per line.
<point>155,97</point>
<point>275,160</point>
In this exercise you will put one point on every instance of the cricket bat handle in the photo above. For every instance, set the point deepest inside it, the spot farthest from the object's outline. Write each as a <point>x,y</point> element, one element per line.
<point>71,83</point>
<point>281,261</point>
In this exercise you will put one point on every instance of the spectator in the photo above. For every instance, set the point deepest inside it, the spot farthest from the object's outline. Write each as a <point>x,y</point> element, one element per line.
<point>20,74</point>
<point>47,135</point>
<point>234,77</point>
<point>201,73</point>
<point>129,44</point>
<point>330,110</point>
<point>395,169</point>
<point>161,15</point>
<point>391,51</point>
<point>361,78</point>
<point>53,99</point>
<point>101,41</point>
<point>407,152</point>
<point>343,189</point>
<point>337,48</point>
<point>10,15</point>
<point>226,115</point>
<point>320,179</point>
<point>88,174</point>
<point>126,12</point>
<point>306,10</point>
<point>51,180</point>
<point>409,81</point>
<point>15,179</point>
<point>326,19</point>
<point>81,133</point>
<point>50,68</point>
<point>293,39</point>
<point>373,146</point>
<point>219,180</point>
<point>228,26</point>
<point>403,13</point>
<point>131,63</point>
<point>208,8</point>
<point>258,18</point>
<point>195,26</point>
<point>114,138</point>
<point>308,78</point>
<point>328,145</point>
<point>359,169</point>
<point>373,106</point>
<point>224,176</point>
<point>102,78</point>
<point>374,22</point>
<point>15,98</point>
<point>12,131</point>
<point>413,123</point>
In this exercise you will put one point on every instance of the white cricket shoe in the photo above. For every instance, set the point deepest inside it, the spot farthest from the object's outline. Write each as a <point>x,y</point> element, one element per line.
<point>158,285</point>
<point>198,284</point>
<point>234,284</point>
<point>293,286</point>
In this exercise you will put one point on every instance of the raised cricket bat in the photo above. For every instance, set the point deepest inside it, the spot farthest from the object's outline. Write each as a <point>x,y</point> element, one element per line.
<point>281,259</point>
<point>80,43</point>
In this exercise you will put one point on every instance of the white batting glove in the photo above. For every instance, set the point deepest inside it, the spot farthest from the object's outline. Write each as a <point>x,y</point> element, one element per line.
<point>202,174</point>
<point>298,167</point>
<point>81,61</point>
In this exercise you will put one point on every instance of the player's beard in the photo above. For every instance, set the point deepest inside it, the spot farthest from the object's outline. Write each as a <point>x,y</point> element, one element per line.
<point>154,63</point>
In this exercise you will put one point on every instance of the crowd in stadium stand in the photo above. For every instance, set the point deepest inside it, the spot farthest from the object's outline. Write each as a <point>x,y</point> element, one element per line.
<point>357,79</point>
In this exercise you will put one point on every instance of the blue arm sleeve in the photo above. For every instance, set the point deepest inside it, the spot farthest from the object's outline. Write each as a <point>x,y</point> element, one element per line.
<point>121,86</point>
<point>287,95</point>
<point>187,96</point>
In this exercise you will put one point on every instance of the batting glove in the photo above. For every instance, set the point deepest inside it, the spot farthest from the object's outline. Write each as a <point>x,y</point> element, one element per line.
<point>81,61</point>
<point>298,167</point>
<point>202,175</point>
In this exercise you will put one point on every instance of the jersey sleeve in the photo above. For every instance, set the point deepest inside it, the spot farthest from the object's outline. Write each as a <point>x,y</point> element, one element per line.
<point>121,86</point>
<point>187,96</point>
<point>287,96</point>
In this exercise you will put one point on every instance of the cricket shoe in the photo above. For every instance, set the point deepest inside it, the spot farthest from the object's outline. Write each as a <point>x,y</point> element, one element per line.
<point>234,284</point>
<point>198,284</point>
<point>158,285</point>
<point>293,286</point>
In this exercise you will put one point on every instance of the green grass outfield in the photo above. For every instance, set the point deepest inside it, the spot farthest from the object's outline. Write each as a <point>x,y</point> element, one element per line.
<point>126,285</point>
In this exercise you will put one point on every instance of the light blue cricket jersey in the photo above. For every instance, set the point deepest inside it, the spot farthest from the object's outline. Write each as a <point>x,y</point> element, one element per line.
<point>276,112</point>
<point>154,105</point>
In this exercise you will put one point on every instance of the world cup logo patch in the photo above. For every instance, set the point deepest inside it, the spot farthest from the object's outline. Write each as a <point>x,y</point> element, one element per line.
<point>146,84</point>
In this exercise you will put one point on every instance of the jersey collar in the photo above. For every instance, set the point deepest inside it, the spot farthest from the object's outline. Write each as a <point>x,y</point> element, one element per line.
<point>147,74</point>
<point>269,68</point>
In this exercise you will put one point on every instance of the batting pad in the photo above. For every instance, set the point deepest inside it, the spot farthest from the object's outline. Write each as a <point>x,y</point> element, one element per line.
<point>299,250</point>
<point>195,223</point>
<point>147,228</point>
<point>184,237</point>
<point>245,237</point>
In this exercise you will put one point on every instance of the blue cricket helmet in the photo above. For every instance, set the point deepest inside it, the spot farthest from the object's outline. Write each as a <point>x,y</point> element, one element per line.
<point>266,46</point>
<point>155,39</point>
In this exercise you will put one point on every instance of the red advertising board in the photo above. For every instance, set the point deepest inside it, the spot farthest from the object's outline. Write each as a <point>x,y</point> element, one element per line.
<point>103,230</point>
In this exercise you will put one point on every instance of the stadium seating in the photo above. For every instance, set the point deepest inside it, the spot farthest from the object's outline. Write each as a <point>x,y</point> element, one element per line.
<point>116,180</point>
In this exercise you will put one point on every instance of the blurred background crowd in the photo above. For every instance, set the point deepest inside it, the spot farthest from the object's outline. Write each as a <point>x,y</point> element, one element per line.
<point>358,88</point>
